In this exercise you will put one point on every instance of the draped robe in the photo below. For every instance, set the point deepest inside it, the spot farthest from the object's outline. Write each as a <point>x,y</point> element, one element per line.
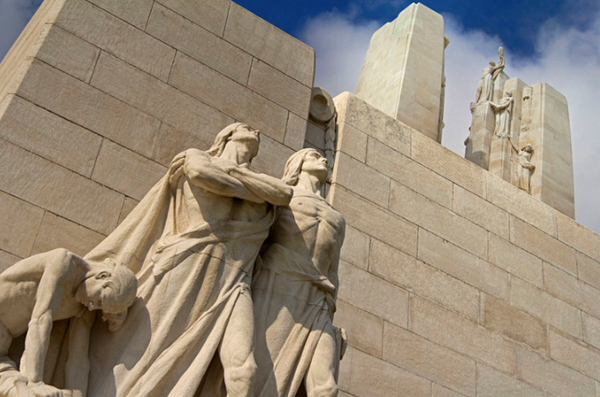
<point>190,275</point>
<point>294,292</point>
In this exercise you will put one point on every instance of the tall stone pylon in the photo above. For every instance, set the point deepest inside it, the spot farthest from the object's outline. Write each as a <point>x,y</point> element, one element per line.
<point>545,125</point>
<point>403,73</point>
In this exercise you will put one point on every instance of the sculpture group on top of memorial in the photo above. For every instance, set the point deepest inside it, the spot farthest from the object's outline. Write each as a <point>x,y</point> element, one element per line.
<point>203,313</point>
<point>491,136</point>
<point>489,75</point>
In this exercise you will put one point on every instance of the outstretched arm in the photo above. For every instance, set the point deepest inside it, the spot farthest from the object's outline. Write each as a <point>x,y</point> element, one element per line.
<point>270,189</point>
<point>48,298</point>
<point>515,148</point>
<point>78,363</point>
<point>204,173</point>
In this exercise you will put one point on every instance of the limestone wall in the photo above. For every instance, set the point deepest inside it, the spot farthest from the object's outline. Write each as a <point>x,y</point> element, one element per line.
<point>453,282</point>
<point>97,96</point>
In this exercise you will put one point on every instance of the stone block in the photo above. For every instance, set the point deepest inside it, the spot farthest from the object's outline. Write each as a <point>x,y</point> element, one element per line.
<point>480,212</point>
<point>373,220</point>
<point>315,135</point>
<point>461,264</point>
<point>365,328</point>
<point>7,260</point>
<point>57,232</point>
<point>588,270</point>
<point>47,135</point>
<point>520,204</point>
<point>429,360</point>
<point>100,28</point>
<point>448,164</point>
<point>67,52</point>
<point>355,249</point>
<point>361,179</point>
<point>409,173</point>
<point>295,131</point>
<point>515,261</point>
<point>373,123</point>
<point>551,376</point>
<point>279,88</point>
<point>272,156</point>
<point>461,335</point>
<point>542,245</point>
<point>591,330</point>
<point>269,44</point>
<point>93,206</point>
<point>373,294</point>
<point>92,109</point>
<point>403,73</point>
<point>367,376</point>
<point>513,323</point>
<point>437,219</point>
<point>578,236</point>
<point>135,12</point>
<point>492,383</point>
<point>481,134</point>
<point>575,354</point>
<point>440,391</point>
<point>423,280</point>
<point>125,171</point>
<point>17,60</point>
<point>128,206</point>
<point>545,306</point>
<point>200,44</point>
<point>352,142</point>
<point>158,99</point>
<point>229,97</point>
<point>19,226</point>
<point>549,134</point>
<point>210,14</point>
<point>172,141</point>
<point>571,290</point>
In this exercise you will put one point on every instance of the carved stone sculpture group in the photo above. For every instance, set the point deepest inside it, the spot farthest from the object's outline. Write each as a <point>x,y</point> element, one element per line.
<point>222,281</point>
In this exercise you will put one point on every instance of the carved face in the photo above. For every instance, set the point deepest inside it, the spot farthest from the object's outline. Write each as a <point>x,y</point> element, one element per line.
<point>314,163</point>
<point>248,136</point>
<point>91,290</point>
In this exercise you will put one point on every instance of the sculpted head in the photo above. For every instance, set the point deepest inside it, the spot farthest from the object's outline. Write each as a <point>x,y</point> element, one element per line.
<point>527,148</point>
<point>492,63</point>
<point>308,161</point>
<point>112,289</point>
<point>236,132</point>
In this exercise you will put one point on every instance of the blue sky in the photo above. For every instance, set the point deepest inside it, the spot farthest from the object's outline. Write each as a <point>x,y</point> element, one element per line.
<point>553,41</point>
<point>516,23</point>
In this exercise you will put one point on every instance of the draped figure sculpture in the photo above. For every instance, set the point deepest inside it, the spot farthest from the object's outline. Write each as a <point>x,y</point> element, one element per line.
<point>294,288</point>
<point>192,242</point>
<point>524,166</point>
<point>485,90</point>
<point>503,114</point>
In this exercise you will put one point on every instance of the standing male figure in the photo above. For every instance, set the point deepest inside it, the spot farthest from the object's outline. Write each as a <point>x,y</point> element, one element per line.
<point>192,242</point>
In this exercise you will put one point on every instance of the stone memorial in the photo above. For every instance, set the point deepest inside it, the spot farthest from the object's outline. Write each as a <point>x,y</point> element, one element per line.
<point>449,277</point>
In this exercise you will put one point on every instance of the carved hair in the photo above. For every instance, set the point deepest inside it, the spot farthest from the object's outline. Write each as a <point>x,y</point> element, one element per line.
<point>293,166</point>
<point>223,137</point>
<point>118,289</point>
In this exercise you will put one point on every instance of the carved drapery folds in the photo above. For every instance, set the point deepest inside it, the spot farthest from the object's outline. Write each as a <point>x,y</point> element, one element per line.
<point>201,306</point>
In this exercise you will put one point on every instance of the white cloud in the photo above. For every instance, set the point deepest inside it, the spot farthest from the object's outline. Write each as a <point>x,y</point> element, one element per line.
<point>14,15</point>
<point>568,59</point>
<point>341,46</point>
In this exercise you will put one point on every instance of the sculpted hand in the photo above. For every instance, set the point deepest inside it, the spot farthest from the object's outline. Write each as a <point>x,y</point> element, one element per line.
<point>176,169</point>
